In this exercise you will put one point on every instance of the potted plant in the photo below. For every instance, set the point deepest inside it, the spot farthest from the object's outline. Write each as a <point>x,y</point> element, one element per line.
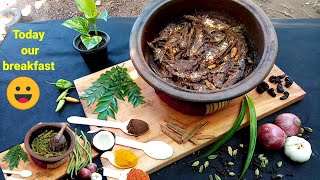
<point>92,44</point>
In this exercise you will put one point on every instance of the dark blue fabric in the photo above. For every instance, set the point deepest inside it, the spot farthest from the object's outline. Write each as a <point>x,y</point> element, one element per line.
<point>298,56</point>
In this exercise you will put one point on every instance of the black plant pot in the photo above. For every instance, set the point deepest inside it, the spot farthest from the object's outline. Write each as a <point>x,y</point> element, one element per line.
<point>97,58</point>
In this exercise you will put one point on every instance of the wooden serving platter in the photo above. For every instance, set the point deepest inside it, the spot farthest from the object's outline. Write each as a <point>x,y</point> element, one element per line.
<point>38,173</point>
<point>156,112</point>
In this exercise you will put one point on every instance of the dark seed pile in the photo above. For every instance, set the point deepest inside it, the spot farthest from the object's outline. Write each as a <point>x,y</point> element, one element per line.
<point>288,81</point>
<point>202,53</point>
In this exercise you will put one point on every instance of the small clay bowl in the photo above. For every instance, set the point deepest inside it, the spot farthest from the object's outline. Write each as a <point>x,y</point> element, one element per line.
<point>52,162</point>
<point>161,13</point>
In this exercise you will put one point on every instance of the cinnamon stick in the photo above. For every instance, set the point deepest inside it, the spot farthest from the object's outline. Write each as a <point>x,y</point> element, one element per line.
<point>193,131</point>
<point>174,136</point>
<point>176,122</point>
<point>204,136</point>
<point>182,132</point>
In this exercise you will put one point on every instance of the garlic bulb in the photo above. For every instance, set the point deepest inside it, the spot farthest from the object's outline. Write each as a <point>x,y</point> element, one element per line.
<point>297,149</point>
<point>96,176</point>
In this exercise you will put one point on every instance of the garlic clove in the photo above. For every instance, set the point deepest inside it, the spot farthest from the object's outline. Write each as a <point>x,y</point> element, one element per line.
<point>297,149</point>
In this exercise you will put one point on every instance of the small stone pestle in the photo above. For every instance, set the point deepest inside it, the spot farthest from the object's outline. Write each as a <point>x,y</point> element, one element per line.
<point>58,141</point>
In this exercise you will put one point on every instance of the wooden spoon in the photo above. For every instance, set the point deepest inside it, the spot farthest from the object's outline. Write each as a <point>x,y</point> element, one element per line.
<point>58,141</point>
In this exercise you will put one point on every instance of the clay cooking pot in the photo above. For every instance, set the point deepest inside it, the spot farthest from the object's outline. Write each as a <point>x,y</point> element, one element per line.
<point>160,13</point>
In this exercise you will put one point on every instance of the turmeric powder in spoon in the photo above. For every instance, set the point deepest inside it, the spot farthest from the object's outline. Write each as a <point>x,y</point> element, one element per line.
<point>125,158</point>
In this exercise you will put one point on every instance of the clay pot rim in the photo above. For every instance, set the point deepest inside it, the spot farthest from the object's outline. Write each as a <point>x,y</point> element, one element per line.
<point>245,85</point>
<point>51,159</point>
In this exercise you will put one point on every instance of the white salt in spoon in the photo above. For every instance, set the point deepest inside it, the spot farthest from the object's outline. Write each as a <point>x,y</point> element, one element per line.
<point>116,174</point>
<point>23,173</point>
<point>154,149</point>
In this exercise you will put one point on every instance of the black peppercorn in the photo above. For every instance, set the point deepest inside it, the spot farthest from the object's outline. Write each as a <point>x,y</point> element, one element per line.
<point>285,95</point>
<point>288,81</point>
<point>280,88</point>
<point>272,78</point>
<point>271,92</point>
<point>262,87</point>
<point>282,76</point>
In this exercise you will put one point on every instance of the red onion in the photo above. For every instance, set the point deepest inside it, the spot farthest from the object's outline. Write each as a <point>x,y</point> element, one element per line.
<point>84,173</point>
<point>92,167</point>
<point>271,136</point>
<point>289,122</point>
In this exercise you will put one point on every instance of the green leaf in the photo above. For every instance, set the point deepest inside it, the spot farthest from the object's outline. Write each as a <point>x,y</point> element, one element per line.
<point>111,113</point>
<point>88,7</point>
<point>100,109</point>
<point>84,96</point>
<point>79,24</point>
<point>103,115</point>
<point>253,134</point>
<point>105,98</point>
<point>229,134</point>
<point>13,156</point>
<point>109,93</point>
<point>88,91</point>
<point>96,84</point>
<point>90,41</point>
<point>92,20</point>
<point>103,15</point>
<point>119,95</point>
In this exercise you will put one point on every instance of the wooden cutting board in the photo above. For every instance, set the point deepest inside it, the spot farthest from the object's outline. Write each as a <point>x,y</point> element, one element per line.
<point>155,112</point>
<point>38,173</point>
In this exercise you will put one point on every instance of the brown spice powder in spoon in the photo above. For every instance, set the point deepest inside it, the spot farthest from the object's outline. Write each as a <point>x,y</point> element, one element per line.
<point>137,127</point>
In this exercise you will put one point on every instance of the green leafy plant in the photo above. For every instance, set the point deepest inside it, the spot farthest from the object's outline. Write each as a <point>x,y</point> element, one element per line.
<point>82,25</point>
<point>13,156</point>
<point>112,85</point>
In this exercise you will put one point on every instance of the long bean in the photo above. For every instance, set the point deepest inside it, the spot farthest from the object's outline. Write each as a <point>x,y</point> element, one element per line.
<point>229,134</point>
<point>253,133</point>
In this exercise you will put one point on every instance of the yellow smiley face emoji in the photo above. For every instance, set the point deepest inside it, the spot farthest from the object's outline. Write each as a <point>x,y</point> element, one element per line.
<point>23,93</point>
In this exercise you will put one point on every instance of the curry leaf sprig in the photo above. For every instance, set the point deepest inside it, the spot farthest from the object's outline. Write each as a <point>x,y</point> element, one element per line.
<point>111,86</point>
<point>13,156</point>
